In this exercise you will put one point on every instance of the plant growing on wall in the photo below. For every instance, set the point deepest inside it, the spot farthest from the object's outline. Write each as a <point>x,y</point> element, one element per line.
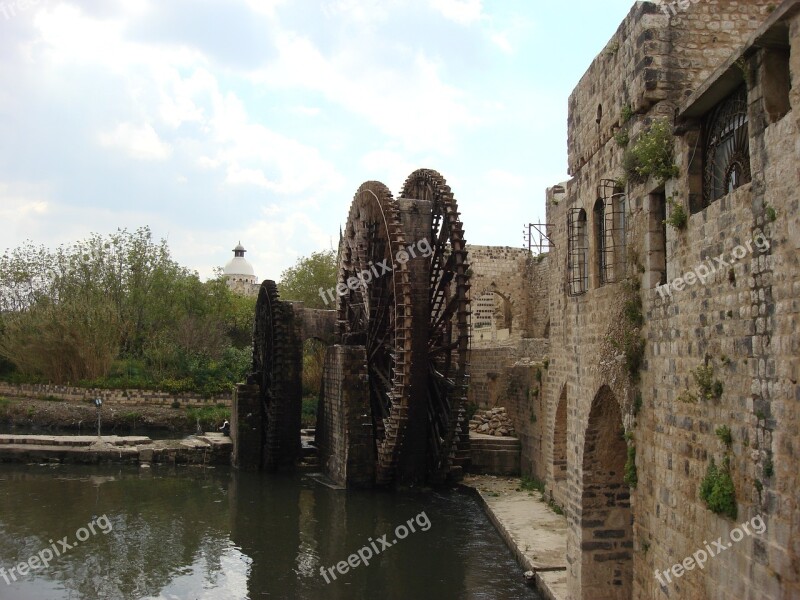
<point>708,388</point>
<point>631,476</point>
<point>717,489</point>
<point>677,214</point>
<point>652,154</point>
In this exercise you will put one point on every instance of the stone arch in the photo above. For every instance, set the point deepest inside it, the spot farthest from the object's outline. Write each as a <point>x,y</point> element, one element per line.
<point>606,528</point>
<point>493,311</point>
<point>559,446</point>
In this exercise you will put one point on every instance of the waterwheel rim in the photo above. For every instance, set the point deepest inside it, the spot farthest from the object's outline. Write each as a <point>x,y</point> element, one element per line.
<point>448,327</point>
<point>375,311</point>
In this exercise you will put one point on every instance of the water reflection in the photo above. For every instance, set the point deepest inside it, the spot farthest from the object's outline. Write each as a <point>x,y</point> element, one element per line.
<point>213,533</point>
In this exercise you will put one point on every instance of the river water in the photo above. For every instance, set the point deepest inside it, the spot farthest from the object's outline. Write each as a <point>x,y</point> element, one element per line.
<point>189,533</point>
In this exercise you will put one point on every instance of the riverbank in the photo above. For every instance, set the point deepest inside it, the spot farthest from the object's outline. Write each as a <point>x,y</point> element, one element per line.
<point>53,415</point>
<point>205,449</point>
<point>534,533</point>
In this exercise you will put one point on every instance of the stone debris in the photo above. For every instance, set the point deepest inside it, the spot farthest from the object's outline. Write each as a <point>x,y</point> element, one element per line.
<point>493,421</point>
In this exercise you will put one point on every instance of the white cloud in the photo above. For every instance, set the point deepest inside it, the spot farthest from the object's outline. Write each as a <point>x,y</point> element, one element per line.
<point>501,41</point>
<point>139,142</point>
<point>410,103</point>
<point>463,12</point>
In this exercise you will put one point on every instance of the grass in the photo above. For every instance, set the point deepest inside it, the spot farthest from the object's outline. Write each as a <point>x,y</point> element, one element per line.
<point>210,417</point>
<point>529,484</point>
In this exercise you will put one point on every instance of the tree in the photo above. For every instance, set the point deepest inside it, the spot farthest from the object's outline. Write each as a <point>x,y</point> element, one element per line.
<point>307,277</point>
<point>69,314</point>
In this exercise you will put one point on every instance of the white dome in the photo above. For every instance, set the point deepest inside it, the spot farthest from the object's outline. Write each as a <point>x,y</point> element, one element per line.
<point>238,265</point>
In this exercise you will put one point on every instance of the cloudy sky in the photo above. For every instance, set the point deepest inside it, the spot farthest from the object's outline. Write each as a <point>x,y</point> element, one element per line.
<point>214,121</point>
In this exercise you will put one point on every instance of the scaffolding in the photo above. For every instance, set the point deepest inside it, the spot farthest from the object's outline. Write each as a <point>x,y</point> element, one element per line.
<point>537,238</point>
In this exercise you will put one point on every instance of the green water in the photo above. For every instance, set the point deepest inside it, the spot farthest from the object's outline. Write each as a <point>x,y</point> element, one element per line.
<point>190,533</point>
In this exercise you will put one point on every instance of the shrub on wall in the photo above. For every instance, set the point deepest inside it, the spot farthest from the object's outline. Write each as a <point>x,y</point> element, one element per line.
<point>652,154</point>
<point>717,489</point>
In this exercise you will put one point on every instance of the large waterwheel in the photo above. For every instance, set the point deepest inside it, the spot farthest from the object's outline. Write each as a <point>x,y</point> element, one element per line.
<point>374,312</point>
<point>416,336</point>
<point>276,360</point>
<point>448,323</point>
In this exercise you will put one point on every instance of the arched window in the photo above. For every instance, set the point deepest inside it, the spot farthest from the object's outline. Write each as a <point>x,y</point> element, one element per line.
<point>727,147</point>
<point>609,230</point>
<point>577,252</point>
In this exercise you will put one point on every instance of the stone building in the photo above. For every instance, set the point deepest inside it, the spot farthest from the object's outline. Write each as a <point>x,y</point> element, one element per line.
<point>666,414</point>
<point>239,274</point>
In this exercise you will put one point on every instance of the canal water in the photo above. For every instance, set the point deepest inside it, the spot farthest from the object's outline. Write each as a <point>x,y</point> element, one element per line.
<point>191,533</point>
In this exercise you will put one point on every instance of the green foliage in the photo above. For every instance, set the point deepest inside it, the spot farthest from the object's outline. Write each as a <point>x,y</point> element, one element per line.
<point>313,364</point>
<point>678,218</point>
<point>531,483</point>
<point>637,403</point>
<point>717,490</point>
<point>210,417</point>
<point>538,375</point>
<point>652,154</point>
<point>631,476</point>
<point>769,467</point>
<point>622,137</point>
<point>117,311</point>
<point>770,213</point>
<point>724,434</point>
<point>303,281</point>
<point>709,388</point>
<point>546,363</point>
<point>308,414</point>
<point>555,507</point>
<point>627,113</point>
<point>629,341</point>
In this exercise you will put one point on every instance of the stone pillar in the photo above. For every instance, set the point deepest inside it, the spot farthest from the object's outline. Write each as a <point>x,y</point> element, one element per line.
<point>413,452</point>
<point>246,428</point>
<point>344,434</point>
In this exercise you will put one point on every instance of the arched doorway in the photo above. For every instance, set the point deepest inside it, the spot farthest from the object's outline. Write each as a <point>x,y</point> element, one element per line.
<point>606,520</point>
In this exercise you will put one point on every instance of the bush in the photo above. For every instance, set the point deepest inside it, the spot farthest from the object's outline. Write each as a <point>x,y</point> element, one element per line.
<point>717,490</point>
<point>652,154</point>
<point>677,215</point>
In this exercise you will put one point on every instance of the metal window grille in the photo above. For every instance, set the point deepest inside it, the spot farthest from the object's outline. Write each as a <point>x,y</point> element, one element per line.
<point>611,231</point>
<point>577,252</point>
<point>727,147</point>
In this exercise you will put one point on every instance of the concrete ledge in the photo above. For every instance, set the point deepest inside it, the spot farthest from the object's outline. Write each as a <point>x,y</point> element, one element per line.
<point>535,534</point>
<point>210,448</point>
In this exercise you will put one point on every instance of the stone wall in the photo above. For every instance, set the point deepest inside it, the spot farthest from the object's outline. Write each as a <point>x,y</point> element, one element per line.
<point>129,397</point>
<point>742,323</point>
<point>502,270</point>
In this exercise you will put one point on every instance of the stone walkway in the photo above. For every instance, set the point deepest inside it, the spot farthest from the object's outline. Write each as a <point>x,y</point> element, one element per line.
<point>535,534</point>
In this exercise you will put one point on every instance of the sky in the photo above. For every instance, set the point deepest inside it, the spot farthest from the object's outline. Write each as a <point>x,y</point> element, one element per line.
<point>219,121</point>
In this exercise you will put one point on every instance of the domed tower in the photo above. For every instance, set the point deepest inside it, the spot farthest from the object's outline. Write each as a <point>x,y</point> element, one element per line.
<point>239,273</point>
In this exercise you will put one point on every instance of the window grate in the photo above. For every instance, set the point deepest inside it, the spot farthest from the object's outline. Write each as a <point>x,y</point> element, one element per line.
<point>727,147</point>
<point>577,252</point>
<point>611,231</point>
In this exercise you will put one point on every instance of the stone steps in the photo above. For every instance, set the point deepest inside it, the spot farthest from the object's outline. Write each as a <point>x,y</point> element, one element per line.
<point>494,455</point>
